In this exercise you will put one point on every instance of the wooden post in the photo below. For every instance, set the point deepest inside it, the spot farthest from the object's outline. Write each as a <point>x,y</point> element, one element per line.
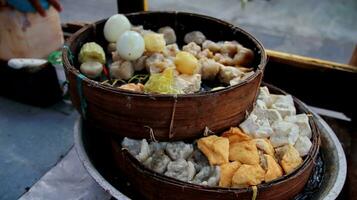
<point>353,60</point>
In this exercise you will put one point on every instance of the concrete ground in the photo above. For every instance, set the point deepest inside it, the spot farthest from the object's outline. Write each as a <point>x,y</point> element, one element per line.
<point>33,139</point>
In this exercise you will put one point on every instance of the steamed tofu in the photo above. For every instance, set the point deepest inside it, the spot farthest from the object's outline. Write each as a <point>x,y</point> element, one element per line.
<point>284,133</point>
<point>264,95</point>
<point>284,104</point>
<point>257,128</point>
<point>271,115</point>
<point>303,145</point>
<point>302,120</point>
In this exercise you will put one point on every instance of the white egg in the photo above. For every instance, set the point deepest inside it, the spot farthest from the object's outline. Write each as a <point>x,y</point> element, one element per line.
<point>115,26</point>
<point>130,45</point>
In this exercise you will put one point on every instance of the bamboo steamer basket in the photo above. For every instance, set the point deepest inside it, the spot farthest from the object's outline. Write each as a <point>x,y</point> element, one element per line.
<point>165,117</point>
<point>152,185</point>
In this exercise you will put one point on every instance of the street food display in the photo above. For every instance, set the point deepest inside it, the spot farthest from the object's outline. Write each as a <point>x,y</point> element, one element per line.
<point>270,143</point>
<point>155,60</point>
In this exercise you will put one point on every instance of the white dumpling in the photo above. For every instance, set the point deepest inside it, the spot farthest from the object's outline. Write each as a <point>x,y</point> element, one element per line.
<point>179,150</point>
<point>284,104</point>
<point>214,177</point>
<point>145,151</point>
<point>133,146</point>
<point>157,146</point>
<point>157,162</point>
<point>303,145</point>
<point>198,159</point>
<point>181,169</point>
<point>284,133</point>
<point>302,120</point>
<point>208,175</point>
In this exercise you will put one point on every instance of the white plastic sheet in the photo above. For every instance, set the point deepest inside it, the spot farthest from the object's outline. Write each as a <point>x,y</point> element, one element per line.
<point>67,180</point>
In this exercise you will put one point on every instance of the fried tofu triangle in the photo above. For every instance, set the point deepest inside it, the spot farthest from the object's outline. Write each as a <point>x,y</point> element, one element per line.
<point>273,169</point>
<point>245,152</point>
<point>289,158</point>
<point>236,135</point>
<point>248,175</point>
<point>227,172</point>
<point>215,148</point>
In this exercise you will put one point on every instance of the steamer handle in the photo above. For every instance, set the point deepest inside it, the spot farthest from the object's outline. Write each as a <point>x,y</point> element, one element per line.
<point>130,6</point>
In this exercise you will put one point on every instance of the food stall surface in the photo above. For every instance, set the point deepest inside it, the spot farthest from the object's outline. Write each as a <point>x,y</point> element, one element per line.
<point>33,140</point>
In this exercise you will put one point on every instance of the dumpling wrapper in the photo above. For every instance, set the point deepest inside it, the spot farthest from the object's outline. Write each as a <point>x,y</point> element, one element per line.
<point>227,172</point>
<point>248,175</point>
<point>245,152</point>
<point>273,169</point>
<point>215,148</point>
<point>265,146</point>
<point>235,134</point>
<point>289,158</point>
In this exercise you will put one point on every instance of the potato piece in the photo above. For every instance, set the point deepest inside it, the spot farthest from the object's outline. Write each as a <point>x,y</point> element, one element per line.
<point>169,34</point>
<point>215,148</point>
<point>212,46</point>
<point>157,63</point>
<point>234,134</point>
<point>289,158</point>
<point>209,68</point>
<point>154,42</point>
<point>195,36</point>
<point>226,74</point>
<point>192,48</point>
<point>227,172</point>
<point>244,57</point>
<point>248,175</point>
<point>124,70</point>
<point>229,48</point>
<point>139,64</point>
<point>171,50</point>
<point>274,170</point>
<point>245,152</point>
<point>186,63</point>
<point>133,87</point>
<point>111,47</point>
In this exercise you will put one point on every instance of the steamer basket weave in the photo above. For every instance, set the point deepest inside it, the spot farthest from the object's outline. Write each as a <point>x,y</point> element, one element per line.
<point>165,117</point>
<point>156,186</point>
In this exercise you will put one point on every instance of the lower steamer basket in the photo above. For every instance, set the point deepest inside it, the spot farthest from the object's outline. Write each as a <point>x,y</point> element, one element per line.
<point>156,186</point>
